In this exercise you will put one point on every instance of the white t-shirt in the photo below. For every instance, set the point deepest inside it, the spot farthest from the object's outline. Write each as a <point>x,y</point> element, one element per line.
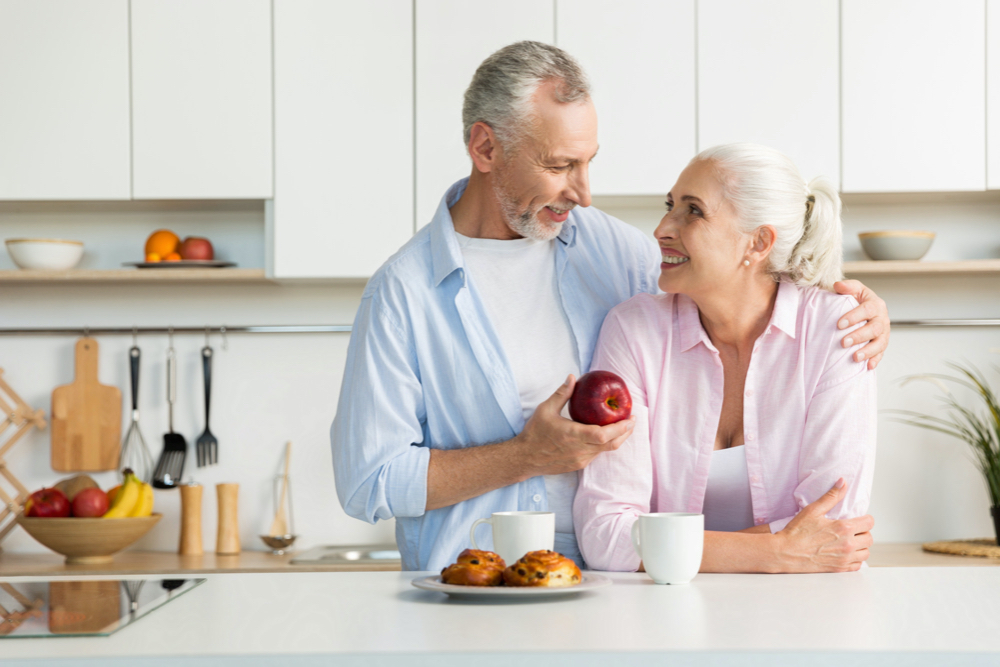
<point>517,281</point>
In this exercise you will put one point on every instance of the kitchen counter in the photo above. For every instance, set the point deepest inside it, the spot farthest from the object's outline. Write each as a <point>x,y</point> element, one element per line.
<point>166,563</point>
<point>902,616</point>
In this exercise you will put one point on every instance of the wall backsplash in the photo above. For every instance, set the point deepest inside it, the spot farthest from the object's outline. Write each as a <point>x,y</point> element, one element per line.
<point>271,388</point>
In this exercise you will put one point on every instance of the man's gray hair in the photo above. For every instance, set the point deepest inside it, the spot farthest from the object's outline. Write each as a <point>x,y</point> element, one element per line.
<point>502,87</point>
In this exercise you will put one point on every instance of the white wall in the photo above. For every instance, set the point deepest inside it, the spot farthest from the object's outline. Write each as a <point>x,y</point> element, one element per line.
<point>272,388</point>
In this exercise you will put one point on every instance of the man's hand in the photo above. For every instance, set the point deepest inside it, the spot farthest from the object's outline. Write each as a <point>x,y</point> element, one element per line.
<point>813,543</point>
<point>875,334</point>
<point>554,444</point>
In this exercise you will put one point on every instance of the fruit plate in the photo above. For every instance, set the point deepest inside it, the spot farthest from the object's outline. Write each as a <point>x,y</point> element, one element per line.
<point>433,583</point>
<point>182,264</point>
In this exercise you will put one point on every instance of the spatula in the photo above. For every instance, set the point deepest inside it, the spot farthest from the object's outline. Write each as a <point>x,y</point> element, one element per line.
<point>171,466</point>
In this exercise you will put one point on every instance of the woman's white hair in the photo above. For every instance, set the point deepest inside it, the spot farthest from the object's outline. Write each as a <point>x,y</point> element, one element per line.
<point>766,188</point>
<point>502,87</point>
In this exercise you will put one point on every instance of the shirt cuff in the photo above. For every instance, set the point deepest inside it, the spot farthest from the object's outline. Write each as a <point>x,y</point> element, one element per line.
<point>406,482</point>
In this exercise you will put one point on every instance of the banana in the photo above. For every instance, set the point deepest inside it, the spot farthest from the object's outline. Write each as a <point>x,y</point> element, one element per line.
<point>144,506</point>
<point>127,497</point>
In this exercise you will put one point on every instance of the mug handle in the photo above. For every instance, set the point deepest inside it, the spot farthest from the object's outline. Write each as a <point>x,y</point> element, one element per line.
<point>472,531</point>
<point>635,539</point>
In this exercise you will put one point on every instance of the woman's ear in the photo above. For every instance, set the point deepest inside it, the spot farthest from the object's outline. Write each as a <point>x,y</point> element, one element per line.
<point>763,240</point>
<point>483,147</point>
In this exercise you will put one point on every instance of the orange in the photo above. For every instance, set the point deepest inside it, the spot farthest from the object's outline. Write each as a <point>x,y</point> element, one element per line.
<point>112,493</point>
<point>172,257</point>
<point>153,257</point>
<point>162,242</point>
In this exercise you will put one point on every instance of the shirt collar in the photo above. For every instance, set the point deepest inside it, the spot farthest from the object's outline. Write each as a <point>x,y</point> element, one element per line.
<point>446,254</point>
<point>784,316</point>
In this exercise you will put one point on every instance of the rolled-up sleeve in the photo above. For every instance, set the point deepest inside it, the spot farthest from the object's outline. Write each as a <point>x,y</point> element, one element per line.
<point>379,463</point>
<point>838,438</point>
<point>617,486</point>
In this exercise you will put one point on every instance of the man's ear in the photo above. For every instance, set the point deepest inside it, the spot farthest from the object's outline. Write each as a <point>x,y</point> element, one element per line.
<point>484,149</point>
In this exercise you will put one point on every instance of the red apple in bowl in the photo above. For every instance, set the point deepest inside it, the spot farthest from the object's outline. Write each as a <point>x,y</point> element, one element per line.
<point>90,503</point>
<point>600,398</point>
<point>46,503</point>
<point>196,247</point>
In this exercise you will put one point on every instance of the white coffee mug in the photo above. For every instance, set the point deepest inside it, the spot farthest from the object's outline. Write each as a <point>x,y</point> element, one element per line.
<point>670,545</point>
<point>517,533</point>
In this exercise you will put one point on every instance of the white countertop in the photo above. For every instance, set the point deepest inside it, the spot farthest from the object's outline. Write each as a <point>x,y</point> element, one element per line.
<point>376,617</point>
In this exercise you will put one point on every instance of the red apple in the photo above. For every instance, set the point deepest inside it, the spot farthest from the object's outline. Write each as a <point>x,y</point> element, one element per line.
<point>600,398</point>
<point>47,503</point>
<point>90,502</point>
<point>196,247</point>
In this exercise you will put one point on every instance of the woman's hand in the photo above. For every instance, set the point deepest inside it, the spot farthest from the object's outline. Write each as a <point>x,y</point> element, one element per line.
<point>813,543</point>
<point>871,309</point>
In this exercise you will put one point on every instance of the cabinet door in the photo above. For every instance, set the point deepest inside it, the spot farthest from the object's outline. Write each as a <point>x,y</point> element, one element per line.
<point>640,59</point>
<point>201,99</point>
<point>64,116</point>
<point>343,82</point>
<point>914,107</point>
<point>769,73</point>
<point>453,37</point>
<point>993,94</point>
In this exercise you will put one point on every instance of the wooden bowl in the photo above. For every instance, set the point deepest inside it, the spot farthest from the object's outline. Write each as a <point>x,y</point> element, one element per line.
<point>89,541</point>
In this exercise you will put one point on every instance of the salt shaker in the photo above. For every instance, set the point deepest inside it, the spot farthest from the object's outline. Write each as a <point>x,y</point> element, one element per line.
<point>228,538</point>
<point>190,520</point>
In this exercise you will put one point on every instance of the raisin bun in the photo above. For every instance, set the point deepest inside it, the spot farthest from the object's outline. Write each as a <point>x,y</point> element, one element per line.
<point>543,568</point>
<point>475,568</point>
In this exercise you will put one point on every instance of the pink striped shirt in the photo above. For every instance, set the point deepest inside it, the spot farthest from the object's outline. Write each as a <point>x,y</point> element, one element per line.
<point>808,418</point>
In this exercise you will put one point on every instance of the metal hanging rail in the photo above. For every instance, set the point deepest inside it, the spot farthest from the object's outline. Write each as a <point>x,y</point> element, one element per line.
<point>344,328</point>
<point>223,330</point>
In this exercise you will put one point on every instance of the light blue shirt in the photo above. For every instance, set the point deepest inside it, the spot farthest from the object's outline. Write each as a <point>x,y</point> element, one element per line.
<point>425,369</point>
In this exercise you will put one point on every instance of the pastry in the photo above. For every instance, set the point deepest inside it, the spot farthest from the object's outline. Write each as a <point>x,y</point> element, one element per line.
<point>475,568</point>
<point>543,568</point>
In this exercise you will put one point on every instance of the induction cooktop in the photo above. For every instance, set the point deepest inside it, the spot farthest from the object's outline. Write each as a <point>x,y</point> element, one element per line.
<point>62,608</point>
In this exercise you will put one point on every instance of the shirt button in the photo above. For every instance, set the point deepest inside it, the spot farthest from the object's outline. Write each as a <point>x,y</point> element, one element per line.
<point>749,392</point>
<point>749,436</point>
<point>755,479</point>
<point>537,497</point>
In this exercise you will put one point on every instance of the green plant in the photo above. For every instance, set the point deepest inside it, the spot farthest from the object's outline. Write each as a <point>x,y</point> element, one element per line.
<point>981,429</point>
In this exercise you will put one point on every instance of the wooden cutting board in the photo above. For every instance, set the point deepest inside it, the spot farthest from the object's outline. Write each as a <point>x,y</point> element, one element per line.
<point>86,418</point>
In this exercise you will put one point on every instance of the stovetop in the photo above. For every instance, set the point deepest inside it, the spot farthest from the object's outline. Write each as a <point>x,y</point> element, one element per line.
<point>63,608</point>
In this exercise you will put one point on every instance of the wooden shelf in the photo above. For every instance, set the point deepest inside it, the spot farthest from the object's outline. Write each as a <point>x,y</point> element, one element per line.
<point>984,266</point>
<point>135,276</point>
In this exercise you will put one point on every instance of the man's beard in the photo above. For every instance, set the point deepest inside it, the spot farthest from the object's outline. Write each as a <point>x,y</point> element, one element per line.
<point>525,223</point>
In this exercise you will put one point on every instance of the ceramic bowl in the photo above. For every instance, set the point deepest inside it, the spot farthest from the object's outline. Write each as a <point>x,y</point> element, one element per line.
<point>896,245</point>
<point>45,254</point>
<point>89,541</point>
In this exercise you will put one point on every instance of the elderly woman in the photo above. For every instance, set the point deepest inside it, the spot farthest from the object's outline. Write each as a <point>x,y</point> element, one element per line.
<point>748,408</point>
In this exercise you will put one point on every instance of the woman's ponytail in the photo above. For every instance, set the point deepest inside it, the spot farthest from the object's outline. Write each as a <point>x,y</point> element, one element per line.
<point>817,257</point>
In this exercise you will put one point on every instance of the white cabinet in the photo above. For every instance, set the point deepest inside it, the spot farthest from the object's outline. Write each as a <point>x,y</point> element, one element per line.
<point>640,57</point>
<point>201,99</point>
<point>453,37</point>
<point>993,94</point>
<point>768,73</point>
<point>913,95</point>
<point>64,99</point>
<point>343,81</point>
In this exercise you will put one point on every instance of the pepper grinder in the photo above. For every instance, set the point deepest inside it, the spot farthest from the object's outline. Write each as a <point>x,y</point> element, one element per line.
<point>228,538</point>
<point>190,520</point>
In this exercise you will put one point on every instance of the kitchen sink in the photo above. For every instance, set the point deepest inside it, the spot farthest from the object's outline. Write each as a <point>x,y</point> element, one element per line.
<point>386,554</point>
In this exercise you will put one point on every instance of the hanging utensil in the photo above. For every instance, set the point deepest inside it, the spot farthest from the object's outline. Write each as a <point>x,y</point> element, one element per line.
<point>171,466</point>
<point>135,454</point>
<point>279,527</point>
<point>207,446</point>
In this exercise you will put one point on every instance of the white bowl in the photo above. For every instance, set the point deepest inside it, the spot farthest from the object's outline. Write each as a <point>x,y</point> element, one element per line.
<point>896,245</point>
<point>47,254</point>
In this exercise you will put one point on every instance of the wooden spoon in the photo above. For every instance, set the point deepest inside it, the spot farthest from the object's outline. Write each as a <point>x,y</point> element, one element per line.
<point>279,527</point>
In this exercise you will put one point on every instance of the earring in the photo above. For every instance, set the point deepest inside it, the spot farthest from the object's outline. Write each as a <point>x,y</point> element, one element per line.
<point>746,262</point>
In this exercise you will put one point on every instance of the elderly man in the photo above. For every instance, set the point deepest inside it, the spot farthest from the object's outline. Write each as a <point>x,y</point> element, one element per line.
<point>447,411</point>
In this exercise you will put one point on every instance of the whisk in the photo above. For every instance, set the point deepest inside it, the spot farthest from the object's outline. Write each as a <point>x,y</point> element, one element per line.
<point>135,454</point>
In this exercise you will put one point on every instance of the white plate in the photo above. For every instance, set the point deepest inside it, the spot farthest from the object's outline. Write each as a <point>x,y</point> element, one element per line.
<point>433,583</point>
